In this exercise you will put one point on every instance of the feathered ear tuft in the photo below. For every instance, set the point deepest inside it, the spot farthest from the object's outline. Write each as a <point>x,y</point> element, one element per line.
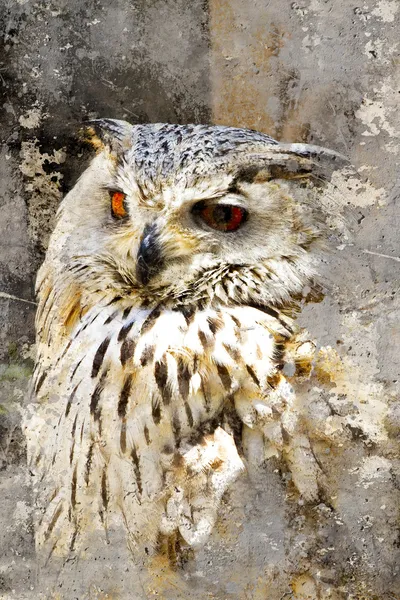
<point>293,161</point>
<point>320,161</point>
<point>108,132</point>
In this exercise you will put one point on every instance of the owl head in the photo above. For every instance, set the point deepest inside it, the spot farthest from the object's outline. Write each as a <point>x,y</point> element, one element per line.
<point>181,214</point>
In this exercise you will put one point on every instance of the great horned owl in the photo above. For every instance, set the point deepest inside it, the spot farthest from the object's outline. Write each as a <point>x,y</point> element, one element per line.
<point>166,312</point>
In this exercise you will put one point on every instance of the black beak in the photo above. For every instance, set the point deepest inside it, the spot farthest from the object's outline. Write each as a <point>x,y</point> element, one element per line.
<point>149,257</point>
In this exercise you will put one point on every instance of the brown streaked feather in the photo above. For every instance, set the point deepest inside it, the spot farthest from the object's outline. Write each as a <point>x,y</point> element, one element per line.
<point>136,465</point>
<point>124,396</point>
<point>224,376</point>
<point>99,356</point>
<point>127,351</point>
<point>161,377</point>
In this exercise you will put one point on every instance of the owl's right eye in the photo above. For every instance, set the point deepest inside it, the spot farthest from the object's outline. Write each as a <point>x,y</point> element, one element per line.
<point>118,206</point>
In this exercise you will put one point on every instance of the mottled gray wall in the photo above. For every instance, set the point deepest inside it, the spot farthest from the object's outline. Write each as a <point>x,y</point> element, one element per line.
<point>325,72</point>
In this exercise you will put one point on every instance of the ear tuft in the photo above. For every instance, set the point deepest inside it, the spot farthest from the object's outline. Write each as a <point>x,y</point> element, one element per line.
<point>108,132</point>
<point>320,160</point>
<point>292,161</point>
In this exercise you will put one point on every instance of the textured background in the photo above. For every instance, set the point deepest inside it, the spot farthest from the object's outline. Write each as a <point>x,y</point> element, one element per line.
<point>320,71</point>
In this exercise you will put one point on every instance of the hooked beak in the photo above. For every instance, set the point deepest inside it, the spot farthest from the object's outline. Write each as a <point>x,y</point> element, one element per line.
<point>149,257</point>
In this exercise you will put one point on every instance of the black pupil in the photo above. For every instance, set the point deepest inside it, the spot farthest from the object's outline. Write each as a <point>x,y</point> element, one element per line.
<point>222,214</point>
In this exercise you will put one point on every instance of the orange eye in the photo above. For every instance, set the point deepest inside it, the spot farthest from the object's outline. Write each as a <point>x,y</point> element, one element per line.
<point>118,208</point>
<point>223,217</point>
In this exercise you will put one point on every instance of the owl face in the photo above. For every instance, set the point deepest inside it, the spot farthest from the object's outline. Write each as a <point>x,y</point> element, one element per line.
<point>189,213</point>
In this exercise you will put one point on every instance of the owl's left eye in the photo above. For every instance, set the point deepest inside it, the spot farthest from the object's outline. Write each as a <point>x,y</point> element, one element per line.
<point>118,206</point>
<point>223,217</point>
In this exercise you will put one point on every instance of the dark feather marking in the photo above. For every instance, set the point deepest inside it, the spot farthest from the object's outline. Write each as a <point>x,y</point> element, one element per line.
<point>150,320</point>
<point>74,426</point>
<point>184,376</point>
<point>122,437</point>
<point>147,355</point>
<point>94,401</point>
<point>161,377</point>
<point>123,332</point>
<point>233,352</point>
<point>64,352</point>
<point>225,287</point>
<point>126,312</point>
<point>272,313</point>
<point>73,540</point>
<point>124,396</point>
<point>111,317</point>
<point>189,414</point>
<point>246,175</point>
<point>86,325</point>
<point>82,426</point>
<point>45,320</point>
<point>114,300</point>
<point>70,399</point>
<point>78,268</point>
<point>265,309</point>
<point>224,377</point>
<point>40,382</point>
<point>71,453</point>
<point>279,353</point>
<point>52,496</point>
<point>127,350</point>
<point>89,463</point>
<point>215,324</point>
<point>236,321</point>
<point>274,380</point>
<point>176,427</point>
<point>206,342</point>
<point>53,521</point>
<point>76,368</point>
<point>99,356</point>
<point>104,490</point>
<point>189,313</point>
<point>206,393</point>
<point>43,305</point>
<point>147,435</point>
<point>54,546</point>
<point>82,311</point>
<point>156,409</point>
<point>73,488</point>
<point>136,465</point>
<point>252,374</point>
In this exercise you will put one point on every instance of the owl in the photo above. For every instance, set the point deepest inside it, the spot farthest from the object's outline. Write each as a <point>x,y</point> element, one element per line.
<point>165,324</point>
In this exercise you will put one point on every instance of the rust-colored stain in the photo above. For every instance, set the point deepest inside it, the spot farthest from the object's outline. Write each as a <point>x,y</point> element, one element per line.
<point>236,97</point>
<point>252,86</point>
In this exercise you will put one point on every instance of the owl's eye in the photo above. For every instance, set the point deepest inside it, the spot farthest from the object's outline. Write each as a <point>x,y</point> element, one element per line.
<point>118,207</point>
<point>223,217</point>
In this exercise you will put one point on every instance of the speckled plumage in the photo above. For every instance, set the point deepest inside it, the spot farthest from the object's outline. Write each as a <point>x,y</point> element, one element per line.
<point>151,395</point>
